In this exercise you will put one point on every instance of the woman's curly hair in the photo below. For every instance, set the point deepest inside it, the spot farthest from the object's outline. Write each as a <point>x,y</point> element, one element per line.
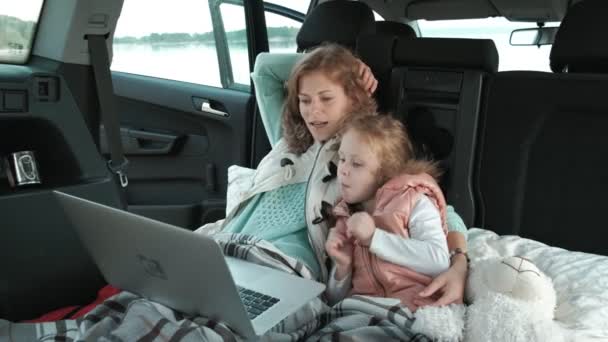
<point>340,66</point>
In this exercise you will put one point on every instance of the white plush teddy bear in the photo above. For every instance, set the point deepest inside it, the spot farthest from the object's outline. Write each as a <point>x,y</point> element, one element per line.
<point>511,301</point>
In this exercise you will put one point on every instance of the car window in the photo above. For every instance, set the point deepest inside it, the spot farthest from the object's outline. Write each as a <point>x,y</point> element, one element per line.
<point>197,41</point>
<point>296,5</point>
<point>499,30</point>
<point>283,22</point>
<point>18,21</point>
<point>282,32</point>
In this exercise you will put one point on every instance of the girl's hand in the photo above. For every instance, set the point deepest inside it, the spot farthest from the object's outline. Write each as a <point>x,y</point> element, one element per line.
<point>366,78</point>
<point>361,226</point>
<point>339,247</point>
<point>448,286</point>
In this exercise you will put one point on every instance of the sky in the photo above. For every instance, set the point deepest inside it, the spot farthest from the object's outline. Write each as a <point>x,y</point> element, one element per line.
<point>142,17</point>
<point>189,16</point>
<point>22,9</point>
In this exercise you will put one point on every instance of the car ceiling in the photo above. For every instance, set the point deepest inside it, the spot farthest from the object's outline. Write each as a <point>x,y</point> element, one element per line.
<point>514,10</point>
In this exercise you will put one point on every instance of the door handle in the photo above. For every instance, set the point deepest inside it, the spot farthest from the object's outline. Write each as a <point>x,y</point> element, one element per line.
<point>208,106</point>
<point>145,142</point>
<point>138,142</point>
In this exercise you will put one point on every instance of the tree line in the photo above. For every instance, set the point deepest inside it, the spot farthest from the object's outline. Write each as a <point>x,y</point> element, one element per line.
<point>17,33</point>
<point>239,36</point>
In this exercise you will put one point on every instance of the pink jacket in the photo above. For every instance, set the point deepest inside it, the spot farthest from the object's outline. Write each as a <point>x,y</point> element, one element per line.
<point>395,200</point>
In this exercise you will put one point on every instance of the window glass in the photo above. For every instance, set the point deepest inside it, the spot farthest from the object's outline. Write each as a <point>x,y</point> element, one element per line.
<point>499,30</point>
<point>176,40</point>
<point>18,20</point>
<point>282,32</point>
<point>296,5</point>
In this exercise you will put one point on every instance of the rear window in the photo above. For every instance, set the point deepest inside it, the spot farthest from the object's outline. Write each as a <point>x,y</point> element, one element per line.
<point>499,30</point>
<point>18,20</point>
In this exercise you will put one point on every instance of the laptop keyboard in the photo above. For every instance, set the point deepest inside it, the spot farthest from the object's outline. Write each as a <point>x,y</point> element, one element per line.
<point>255,302</point>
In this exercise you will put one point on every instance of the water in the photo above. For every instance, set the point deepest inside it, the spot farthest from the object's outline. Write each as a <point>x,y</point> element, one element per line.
<point>188,62</point>
<point>198,62</point>
<point>8,55</point>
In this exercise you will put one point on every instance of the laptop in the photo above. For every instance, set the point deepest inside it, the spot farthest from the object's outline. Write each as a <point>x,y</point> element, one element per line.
<point>184,270</point>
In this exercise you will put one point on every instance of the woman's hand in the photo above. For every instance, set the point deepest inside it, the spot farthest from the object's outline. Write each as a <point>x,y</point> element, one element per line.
<point>361,226</point>
<point>448,286</point>
<point>367,79</point>
<point>340,248</point>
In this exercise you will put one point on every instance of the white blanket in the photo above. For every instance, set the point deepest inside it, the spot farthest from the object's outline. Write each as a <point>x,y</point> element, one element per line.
<point>580,279</point>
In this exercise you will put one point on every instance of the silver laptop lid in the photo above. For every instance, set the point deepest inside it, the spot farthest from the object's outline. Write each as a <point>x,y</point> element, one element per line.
<point>169,265</point>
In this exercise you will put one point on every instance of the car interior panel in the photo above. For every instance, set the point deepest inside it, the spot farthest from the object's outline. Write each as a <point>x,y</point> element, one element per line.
<point>439,97</point>
<point>40,115</point>
<point>540,132</point>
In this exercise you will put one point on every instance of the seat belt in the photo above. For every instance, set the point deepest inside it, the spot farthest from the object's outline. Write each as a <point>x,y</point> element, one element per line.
<point>98,53</point>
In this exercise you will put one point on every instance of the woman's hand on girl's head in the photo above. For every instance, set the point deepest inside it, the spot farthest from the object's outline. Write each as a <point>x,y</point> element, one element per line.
<point>448,286</point>
<point>361,226</point>
<point>366,78</point>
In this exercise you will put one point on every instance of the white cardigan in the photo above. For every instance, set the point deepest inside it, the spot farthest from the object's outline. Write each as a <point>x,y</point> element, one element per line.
<point>311,167</point>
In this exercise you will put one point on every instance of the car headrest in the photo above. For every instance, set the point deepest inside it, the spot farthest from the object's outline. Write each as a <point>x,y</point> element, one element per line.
<point>376,50</point>
<point>480,54</point>
<point>394,28</point>
<point>337,21</point>
<point>580,42</point>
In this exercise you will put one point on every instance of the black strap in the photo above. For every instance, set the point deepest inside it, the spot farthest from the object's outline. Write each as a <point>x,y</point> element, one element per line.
<point>105,92</point>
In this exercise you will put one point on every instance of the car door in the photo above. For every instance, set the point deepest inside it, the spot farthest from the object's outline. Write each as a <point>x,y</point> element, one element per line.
<point>181,76</point>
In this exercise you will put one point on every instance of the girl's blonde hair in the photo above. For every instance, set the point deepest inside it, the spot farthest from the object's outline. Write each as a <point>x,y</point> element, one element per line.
<point>390,142</point>
<point>341,67</point>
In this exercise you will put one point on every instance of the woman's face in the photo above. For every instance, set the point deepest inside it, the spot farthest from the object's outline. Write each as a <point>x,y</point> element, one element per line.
<point>323,104</point>
<point>358,169</point>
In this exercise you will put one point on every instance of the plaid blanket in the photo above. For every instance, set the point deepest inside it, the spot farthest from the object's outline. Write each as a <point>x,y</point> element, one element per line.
<point>128,317</point>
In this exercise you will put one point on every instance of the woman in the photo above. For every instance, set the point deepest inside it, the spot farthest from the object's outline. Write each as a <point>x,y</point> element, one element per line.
<point>326,88</point>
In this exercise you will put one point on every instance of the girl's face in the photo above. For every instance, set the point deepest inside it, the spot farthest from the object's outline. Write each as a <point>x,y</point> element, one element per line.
<point>357,169</point>
<point>323,104</point>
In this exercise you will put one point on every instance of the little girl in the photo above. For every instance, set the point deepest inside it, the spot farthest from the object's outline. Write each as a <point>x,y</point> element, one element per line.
<point>390,234</point>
